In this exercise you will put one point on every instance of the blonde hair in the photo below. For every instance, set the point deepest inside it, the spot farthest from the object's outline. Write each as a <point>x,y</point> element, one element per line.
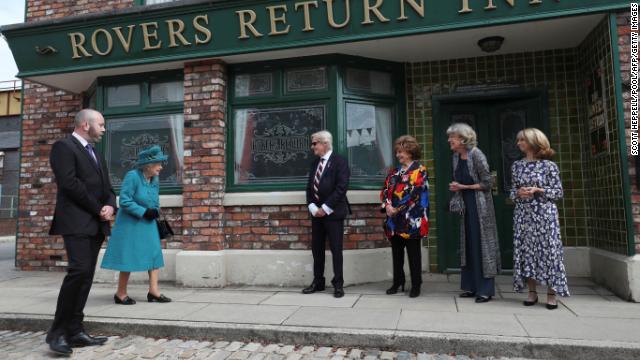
<point>466,132</point>
<point>538,142</point>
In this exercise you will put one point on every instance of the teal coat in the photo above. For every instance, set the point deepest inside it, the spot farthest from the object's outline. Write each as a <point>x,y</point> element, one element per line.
<point>134,244</point>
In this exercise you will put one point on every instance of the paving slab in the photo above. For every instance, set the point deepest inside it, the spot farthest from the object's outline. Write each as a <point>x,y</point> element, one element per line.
<point>434,303</point>
<point>157,311</point>
<point>345,318</point>
<point>317,299</point>
<point>463,323</point>
<point>510,304</point>
<point>582,328</point>
<point>227,297</point>
<point>242,313</point>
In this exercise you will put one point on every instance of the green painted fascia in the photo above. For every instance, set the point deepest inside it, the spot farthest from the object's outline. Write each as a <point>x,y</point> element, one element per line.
<point>624,161</point>
<point>439,16</point>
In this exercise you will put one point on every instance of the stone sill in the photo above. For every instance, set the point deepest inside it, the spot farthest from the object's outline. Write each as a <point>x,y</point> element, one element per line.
<point>293,198</point>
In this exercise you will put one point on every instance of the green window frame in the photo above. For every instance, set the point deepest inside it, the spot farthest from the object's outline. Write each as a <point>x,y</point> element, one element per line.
<point>171,111</point>
<point>334,97</point>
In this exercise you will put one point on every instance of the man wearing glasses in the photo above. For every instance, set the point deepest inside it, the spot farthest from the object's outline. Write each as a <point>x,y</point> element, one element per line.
<point>327,202</point>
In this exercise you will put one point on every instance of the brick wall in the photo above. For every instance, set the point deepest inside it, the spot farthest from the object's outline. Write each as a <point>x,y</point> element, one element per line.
<point>289,227</point>
<point>624,51</point>
<point>204,143</point>
<point>55,9</point>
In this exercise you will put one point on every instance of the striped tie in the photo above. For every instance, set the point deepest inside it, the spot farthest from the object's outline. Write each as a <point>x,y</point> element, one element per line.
<point>316,179</point>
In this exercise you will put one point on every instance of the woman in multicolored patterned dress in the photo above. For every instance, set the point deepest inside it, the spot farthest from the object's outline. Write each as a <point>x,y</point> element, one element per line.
<point>405,200</point>
<point>537,249</point>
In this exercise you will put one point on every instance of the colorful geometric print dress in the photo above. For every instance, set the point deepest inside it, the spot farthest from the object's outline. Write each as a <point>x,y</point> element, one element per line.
<point>537,248</point>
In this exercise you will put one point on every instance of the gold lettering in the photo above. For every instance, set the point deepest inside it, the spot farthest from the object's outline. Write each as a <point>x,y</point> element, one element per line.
<point>330,18</point>
<point>147,36</point>
<point>276,19</point>
<point>173,33</point>
<point>417,8</point>
<point>465,7</point>
<point>94,42</point>
<point>491,6</point>
<point>244,24</point>
<point>126,44</point>
<point>536,2</point>
<point>307,19</point>
<point>368,9</point>
<point>202,29</point>
<point>77,42</point>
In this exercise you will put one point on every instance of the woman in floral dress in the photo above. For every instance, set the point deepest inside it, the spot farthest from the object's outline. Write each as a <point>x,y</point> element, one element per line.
<point>537,250</point>
<point>405,200</point>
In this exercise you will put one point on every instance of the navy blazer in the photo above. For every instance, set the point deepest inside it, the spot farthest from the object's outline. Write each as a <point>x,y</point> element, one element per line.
<point>83,189</point>
<point>333,186</point>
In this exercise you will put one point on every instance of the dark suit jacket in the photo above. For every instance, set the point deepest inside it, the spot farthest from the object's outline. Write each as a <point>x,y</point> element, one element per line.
<point>333,186</point>
<point>83,189</point>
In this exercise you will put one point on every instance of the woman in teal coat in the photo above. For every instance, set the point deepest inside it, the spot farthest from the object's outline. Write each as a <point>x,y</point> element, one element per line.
<point>134,244</point>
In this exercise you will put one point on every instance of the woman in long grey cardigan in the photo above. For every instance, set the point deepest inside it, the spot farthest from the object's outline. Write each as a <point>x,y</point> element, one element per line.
<point>479,249</point>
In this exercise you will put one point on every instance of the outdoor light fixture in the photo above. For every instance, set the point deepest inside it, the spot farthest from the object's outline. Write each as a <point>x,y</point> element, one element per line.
<point>490,44</point>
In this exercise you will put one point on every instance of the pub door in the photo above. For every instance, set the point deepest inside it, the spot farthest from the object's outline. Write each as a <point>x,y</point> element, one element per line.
<point>496,122</point>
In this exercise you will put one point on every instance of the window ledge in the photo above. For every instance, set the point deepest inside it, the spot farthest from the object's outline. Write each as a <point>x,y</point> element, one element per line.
<point>166,201</point>
<point>293,198</point>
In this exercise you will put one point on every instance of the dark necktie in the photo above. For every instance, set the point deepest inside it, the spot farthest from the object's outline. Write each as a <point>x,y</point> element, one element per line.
<point>316,179</point>
<point>89,148</point>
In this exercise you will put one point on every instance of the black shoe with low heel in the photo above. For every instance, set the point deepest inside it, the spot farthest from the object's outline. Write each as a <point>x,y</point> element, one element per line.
<point>126,301</point>
<point>531,303</point>
<point>160,299</point>
<point>483,299</point>
<point>394,289</point>
<point>414,292</point>
<point>468,294</point>
<point>551,306</point>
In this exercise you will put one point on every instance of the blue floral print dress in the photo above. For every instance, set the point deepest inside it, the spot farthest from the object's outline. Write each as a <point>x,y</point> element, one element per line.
<point>537,248</point>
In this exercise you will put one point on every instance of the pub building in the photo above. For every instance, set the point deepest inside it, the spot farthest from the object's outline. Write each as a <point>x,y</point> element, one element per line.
<point>232,91</point>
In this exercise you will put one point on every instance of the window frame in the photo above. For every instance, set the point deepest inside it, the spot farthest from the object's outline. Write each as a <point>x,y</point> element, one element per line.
<point>146,108</point>
<point>336,97</point>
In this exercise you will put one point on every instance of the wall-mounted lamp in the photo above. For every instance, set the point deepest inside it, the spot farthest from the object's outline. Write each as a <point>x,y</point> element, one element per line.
<point>490,44</point>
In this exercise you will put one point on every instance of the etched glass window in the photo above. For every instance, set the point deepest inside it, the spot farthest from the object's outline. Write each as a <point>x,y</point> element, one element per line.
<point>511,122</point>
<point>126,137</point>
<point>369,140</point>
<point>375,82</point>
<point>163,92</point>
<point>254,84</point>
<point>306,79</point>
<point>125,95</point>
<point>273,145</point>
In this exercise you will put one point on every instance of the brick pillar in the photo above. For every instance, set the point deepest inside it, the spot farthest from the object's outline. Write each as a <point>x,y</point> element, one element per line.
<point>204,158</point>
<point>47,116</point>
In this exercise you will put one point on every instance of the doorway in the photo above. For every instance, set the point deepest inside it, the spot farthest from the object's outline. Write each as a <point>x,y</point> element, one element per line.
<point>497,120</point>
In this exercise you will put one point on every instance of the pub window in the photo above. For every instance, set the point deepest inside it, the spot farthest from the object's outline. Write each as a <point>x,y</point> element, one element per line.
<point>142,110</point>
<point>275,106</point>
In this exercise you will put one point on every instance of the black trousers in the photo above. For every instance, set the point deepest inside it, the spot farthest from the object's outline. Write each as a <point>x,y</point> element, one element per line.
<point>321,230</point>
<point>82,252</point>
<point>414,254</point>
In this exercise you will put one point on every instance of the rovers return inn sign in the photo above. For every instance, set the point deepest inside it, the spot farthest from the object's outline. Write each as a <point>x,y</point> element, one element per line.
<point>201,29</point>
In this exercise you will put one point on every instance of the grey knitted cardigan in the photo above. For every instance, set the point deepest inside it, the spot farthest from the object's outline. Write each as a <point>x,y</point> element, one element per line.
<point>489,245</point>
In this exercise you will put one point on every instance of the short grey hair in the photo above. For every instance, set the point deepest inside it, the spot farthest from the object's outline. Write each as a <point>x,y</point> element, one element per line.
<point>325,137</point>
<point>85,115</point>
<point>466,132</point>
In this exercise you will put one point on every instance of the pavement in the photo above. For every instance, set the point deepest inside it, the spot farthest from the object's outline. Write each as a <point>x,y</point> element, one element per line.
<point>592,324</point>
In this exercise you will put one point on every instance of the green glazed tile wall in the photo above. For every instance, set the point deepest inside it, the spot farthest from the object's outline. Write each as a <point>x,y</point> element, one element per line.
<point>604,195</point>
<point>553,70</point>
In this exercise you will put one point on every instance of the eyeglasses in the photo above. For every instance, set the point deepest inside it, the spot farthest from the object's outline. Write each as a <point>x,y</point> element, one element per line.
<point>315,143</point>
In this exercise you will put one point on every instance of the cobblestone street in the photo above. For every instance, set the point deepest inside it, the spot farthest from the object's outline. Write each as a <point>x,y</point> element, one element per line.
<point>30,345</point>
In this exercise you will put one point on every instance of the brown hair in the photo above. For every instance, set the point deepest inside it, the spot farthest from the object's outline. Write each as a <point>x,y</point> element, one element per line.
<point>408,144</point>
<point>538,142</point>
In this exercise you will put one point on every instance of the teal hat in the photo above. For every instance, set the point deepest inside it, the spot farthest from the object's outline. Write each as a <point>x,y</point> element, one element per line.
<point>151,155</point>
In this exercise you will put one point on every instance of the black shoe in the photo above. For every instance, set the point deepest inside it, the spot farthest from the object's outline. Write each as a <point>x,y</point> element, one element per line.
<point>414,292</point>
<point>126,301</point>
<point>83,339</point>
<point>483,299</point>
<point>394,289</point>
<point>467,294</point>
<point>338,292</point>
<point>551,306</point>
<point>160,299</point>
<point>60,346</point>
<point>315,286</point>
<point>531,303</point>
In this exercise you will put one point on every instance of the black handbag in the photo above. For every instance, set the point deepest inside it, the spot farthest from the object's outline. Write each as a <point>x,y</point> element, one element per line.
<point>164,229</point>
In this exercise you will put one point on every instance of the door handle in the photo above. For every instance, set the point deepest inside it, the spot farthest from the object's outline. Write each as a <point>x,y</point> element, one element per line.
<point>494,182</point>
